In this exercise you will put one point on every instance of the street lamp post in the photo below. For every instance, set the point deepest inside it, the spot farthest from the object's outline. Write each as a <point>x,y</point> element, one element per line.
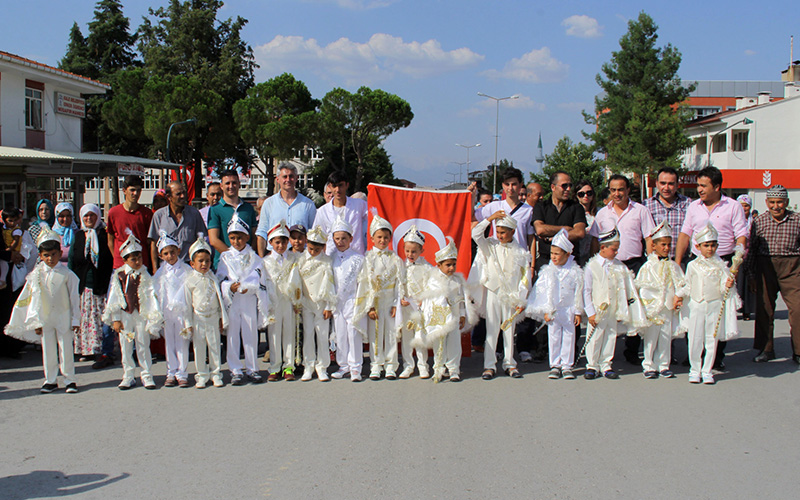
<point>497,131</point>
<point>460,164</point>
<point>468,147</point>
<point>169,133</point>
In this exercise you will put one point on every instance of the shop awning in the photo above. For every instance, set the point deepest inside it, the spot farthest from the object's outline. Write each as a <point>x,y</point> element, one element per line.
<point>86,164</point>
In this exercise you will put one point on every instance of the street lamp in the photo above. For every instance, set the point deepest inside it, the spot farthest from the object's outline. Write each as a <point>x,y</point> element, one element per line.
<point>497,130</point>
<point>169,133</point>
<point>745,121</point>
<point>468,147</point>
<point>461,164</point>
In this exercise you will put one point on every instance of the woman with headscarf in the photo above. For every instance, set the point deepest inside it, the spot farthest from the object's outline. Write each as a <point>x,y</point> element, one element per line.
<point>44,215</point>
<point>65,227</point>
<point>91,260</point>
<point>748,297</point>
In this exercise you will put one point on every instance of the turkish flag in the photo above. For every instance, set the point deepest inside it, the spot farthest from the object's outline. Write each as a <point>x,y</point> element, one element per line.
<point>437,215</point>
<point>174,175</point>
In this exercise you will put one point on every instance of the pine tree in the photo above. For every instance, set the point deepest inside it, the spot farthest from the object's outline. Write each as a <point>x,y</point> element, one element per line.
<point>639,121</point>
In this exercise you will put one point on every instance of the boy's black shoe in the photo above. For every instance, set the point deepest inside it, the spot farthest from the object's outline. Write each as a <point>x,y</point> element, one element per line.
<point>72,388</point>
<point>590,374</point>
<point>48,388</point>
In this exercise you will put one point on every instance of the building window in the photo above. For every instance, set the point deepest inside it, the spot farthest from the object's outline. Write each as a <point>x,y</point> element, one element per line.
<point>33,108</point>
<point>701,112</point>
<point>739,140</point>
<point>720,144</point>
<point>152,180</point>
<point>700,146</point>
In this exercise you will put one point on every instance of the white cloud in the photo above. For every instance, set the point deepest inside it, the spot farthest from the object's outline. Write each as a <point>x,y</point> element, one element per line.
<point>378,59</point>
<point>750,52</point>
<point>537,66</point>
<point>356,4</point>
<point>582,26</point>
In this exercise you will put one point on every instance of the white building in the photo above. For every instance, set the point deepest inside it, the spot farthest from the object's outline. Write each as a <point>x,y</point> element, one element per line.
<point>754,145</point>
<point>41,120</point>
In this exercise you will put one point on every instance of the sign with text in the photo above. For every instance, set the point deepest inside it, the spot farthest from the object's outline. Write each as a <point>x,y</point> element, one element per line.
<point>130,169</point>
<point>70,105</point>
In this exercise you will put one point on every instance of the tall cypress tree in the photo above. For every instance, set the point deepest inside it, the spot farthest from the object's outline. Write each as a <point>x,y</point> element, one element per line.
<point>639,121</point>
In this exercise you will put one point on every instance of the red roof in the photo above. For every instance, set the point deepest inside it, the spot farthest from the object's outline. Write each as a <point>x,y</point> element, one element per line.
<point>52,69</point>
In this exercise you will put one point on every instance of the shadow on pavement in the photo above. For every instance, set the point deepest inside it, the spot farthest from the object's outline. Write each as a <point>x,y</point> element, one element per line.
<point>51,484</point>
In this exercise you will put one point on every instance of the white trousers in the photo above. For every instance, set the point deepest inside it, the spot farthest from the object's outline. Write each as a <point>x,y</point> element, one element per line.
<point>243,332</point>
<point>316,346</point>
<point>600,348</point>
<point>496,314</point>
<point>281,336</point>
<point>408,351</point>
<point>447,353</point>
<point>207,341</point>
<point>561,341</point>
<point>57,343</point>
<point>349,346</point>
<point>141,340</point>
<point>177,349</point>
<point>383,352</point>
<point>702,319</point>
<point>657,346</point>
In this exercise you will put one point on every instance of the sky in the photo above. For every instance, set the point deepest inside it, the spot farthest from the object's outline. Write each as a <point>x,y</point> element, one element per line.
<point>439,54</point>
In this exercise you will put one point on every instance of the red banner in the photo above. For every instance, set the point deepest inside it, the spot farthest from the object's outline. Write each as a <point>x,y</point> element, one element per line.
<point>437,214</point>
<point>190,174</point>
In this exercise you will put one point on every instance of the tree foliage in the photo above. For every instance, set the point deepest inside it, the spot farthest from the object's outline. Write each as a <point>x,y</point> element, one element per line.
<point>639,121</point>
<point>488,177</point>
<point>276,118</point>
<point>576,159</point>
<point>360,120</point>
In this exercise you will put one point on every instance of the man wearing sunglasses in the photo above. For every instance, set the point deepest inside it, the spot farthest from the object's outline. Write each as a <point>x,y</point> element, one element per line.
<point>560,212</point>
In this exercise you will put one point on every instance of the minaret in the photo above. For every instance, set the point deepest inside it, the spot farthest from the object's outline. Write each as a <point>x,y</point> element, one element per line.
<point>540,153</point>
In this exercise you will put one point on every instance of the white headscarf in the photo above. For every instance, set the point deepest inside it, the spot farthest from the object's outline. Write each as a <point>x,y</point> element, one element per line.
<point>92,248</point>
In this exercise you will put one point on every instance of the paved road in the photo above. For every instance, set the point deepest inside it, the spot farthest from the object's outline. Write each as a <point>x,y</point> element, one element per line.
<point>529,438</point>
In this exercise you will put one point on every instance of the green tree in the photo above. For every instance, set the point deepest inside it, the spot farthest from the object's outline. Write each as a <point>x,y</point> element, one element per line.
<point>638,118</point>
<point>360,120</point>
<point>276,118</point>
<point>76,60</point>
<point>488,177</point>
<point>576,159</point>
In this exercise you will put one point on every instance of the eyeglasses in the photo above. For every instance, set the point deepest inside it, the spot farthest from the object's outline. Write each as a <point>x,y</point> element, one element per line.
<point>566,185</point>
<point>582,194</point>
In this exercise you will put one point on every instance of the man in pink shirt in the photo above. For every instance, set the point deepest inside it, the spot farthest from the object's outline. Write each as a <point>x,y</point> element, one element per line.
<point>634,223</point>
<point>727,217</point>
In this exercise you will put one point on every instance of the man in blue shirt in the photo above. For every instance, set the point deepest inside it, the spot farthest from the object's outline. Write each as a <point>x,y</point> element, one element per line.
<point>287,204</point>
<point>220,214</point>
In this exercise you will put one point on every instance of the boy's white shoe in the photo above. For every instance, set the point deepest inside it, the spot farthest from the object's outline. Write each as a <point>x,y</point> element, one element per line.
<point>424,372</point>
<point>407,372</point>
<point>217,380</point>
<point>340,373</point>
<point>307,374</point>
<point>694,379</point>
<point>355,377</point>
<point>708,379</point>
<point>200,382</point>
<point>322,374</point>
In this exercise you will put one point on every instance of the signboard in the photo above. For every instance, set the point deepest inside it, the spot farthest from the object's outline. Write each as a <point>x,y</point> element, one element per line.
<point>749,178</point>
<point>130,169</point>
<point>70,105</point>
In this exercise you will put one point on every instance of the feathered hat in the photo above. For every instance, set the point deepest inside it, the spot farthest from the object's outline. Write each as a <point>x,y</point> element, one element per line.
<point>165,240</point>
<point>561,240</point>
<point>278,229</point>
<point>662,230</point>
<point>414,236</point>
<point>609,236</point>
<point>448,252</point>
<point>706,233</point>
<point>317,235</point>
<point>130,245</point>
<point>378,223</point>
<point>237,225</point>
<point>199,245</point>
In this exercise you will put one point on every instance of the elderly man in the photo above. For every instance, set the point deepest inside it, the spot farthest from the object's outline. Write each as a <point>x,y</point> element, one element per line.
<point>773,262</point>
<point>727,217</point>
<point>213,194</point>
<point>634,223</point>
<point>668,204</point>
<point>534,193</point>
<point>221,214</point>
<point>327,193</point>
<point>181,221</point>
<point>353,211</point>
<point>287,204</point>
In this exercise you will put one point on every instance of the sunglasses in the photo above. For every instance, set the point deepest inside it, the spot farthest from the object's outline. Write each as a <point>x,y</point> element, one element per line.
<point>582,194</point>
<point>566,185</point>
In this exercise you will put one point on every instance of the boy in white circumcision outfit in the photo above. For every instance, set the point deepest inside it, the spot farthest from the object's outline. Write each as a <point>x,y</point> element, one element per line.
<point>409,318</point>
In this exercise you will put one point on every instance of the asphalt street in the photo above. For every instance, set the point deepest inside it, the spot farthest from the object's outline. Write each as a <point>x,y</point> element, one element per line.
<point>505,438</point>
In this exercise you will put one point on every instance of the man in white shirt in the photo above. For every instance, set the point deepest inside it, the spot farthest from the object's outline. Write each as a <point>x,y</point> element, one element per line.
<point>353,211</point>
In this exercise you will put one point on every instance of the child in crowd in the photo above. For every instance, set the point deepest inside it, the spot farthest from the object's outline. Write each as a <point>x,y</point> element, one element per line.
<point>49,306</point>
<point>243,297</point>
<point>447,311</point>
<point>707,279</point>
<point>380,285</point>
<point>206,318</point>
<point>319,302</point>
<point>501,271</point>
<point>298,238</point>
<point>169,279</point>
<point>557,299</point>
<point>609,298</point>
<point>347,264</point>
<point>661,286</point>
<point>12,239</point>
<point>284,287</point>
<point>410,321</point>
<point>133,312</point>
